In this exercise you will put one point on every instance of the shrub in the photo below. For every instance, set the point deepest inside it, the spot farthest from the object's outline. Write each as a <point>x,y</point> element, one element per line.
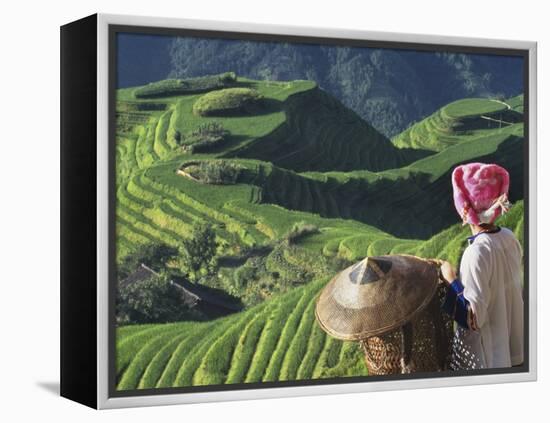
<point>170,87</point>
<point>209,129</point>
<point>300,230</point>
<point>228,77</point>
<point>152,300</point>
<point>204,145</point>
<point>216,172</point>
<point>200,251</point>
<point>244,275</point>
<point>226,102</point>
<point>154,256</point>
<point>206,136</point>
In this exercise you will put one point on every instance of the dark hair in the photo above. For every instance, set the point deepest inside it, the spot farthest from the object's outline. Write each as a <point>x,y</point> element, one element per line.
<point>487,226</point>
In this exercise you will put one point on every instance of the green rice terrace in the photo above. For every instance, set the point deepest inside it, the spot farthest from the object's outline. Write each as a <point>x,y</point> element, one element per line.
<point>295,187</point>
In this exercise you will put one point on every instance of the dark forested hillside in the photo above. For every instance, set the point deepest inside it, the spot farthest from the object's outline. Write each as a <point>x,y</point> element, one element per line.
<point>388,88</point>
<point>142,58</point>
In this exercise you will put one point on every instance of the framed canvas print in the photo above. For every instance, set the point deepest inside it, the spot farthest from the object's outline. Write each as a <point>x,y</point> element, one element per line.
<point>254,211</point>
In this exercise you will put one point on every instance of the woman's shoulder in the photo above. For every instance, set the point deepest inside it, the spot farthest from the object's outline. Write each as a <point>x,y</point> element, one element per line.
<point>508,235</point>
<point>504,237</point>
<point>507,231</point>
<point>511,237</point>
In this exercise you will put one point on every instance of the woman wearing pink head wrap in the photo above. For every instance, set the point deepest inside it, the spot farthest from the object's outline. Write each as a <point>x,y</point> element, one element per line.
<point>486,301</point>
<point>480,192</point>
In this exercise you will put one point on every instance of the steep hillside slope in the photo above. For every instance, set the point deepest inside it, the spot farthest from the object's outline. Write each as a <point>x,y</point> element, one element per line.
<point>412,201</point>
<point>462,120</point>
<point>320,134</point>
<point>278,340</point>
<point>388,88</point>
<point>296,156</point>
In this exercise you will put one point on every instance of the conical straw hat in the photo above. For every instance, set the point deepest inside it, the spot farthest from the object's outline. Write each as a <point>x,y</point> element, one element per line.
<point>376,295</point>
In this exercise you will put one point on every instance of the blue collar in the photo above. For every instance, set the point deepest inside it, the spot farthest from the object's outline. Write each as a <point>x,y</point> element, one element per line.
<point>472,238</point>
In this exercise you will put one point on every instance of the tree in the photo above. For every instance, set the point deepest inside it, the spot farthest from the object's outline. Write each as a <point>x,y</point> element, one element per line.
<point>154,256</point>
<point>217,172</point>
<point>200,251</point>
<point>151,300</point>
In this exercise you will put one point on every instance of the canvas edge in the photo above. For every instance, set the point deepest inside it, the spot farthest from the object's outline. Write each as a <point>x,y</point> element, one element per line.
<point>103,399</point>
<point>533,200</point>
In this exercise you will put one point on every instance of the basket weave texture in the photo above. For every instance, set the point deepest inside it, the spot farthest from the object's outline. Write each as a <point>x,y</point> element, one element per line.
<point>429,345</point>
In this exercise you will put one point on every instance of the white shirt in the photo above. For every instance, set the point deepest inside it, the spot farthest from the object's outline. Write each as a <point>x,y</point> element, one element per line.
<point>491,273</point>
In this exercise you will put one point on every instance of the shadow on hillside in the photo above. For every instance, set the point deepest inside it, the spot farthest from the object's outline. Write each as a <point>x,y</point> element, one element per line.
<point>406,207</point>
<point>228,143</point>
<point>242,84</point>
<point>316,137</point>
<point>411,155</point>
<point>213,302</point>
<point>488,121</point>
<point>237,261</point>
<point>428,206</point>
<point>267,106</point>
<point>260,107</point>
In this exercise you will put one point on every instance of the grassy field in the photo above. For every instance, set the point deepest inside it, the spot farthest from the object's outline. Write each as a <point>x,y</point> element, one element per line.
<point>302,157</point>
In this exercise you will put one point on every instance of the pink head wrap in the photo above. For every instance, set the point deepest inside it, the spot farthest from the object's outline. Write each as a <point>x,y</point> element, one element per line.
<point>480,192</point>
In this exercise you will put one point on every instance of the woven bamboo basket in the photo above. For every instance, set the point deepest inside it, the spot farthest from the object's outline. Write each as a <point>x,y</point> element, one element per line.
<point>421,345</point>
<point>392,306</point>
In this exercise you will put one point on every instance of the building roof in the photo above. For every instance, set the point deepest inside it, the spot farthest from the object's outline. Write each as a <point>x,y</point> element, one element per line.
<point>191,294</point>
<point>142,273</point>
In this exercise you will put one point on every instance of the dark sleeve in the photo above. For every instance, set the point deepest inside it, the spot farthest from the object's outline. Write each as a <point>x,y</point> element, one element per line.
<point>456,305</point>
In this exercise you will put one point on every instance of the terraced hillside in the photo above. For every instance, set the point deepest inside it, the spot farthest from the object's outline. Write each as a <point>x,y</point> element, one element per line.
<point>415,194</point>
<point>296,158</point>
<point>320,134</point>
<point>460,121</point>
<point>275,341</point>
<point>156,204</point>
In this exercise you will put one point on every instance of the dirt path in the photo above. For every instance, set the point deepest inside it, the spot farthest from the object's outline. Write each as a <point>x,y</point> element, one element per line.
<point>502,102</point>
<point>508,107</point>
<point>187,175</point>
<point>496,120</point>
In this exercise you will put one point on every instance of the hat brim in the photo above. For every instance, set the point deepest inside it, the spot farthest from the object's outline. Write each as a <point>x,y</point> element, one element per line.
<point>351,311</point>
